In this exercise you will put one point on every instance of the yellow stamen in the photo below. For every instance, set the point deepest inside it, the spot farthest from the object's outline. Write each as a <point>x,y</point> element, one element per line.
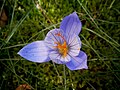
<point>62,48</point>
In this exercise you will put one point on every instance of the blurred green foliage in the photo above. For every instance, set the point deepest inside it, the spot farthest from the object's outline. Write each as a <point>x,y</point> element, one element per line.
<point>100,37</point>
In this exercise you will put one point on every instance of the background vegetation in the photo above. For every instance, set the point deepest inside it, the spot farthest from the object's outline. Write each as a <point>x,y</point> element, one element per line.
<point>25,21</point>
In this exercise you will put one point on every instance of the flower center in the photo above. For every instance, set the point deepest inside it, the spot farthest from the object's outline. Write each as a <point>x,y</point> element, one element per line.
<point>62,48</point>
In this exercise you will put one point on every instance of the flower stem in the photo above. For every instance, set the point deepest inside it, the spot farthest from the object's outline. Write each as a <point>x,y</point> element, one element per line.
<point>64,77</point>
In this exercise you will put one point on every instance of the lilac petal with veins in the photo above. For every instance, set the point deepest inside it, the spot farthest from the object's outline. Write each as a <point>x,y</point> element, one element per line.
<point>79,62</point>
<point>74,45</point>
<point>59,59</point>
<point>35,52</point>
<point>51,39</point>
<point>71,24</point>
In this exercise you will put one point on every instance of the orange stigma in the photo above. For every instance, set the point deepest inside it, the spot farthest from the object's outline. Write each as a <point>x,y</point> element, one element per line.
<point>59,34</point>
<point>62,48</point>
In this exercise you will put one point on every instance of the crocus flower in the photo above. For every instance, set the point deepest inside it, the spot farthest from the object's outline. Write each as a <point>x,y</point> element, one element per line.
<point>62,46</point>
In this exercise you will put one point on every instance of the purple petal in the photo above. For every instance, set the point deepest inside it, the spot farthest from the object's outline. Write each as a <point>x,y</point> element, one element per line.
<point>35,52</point>
<point>71,24</point>
<point>74,45</point>
<point>51,38</point>
<point>79,62</point>
<point>57,58</point>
